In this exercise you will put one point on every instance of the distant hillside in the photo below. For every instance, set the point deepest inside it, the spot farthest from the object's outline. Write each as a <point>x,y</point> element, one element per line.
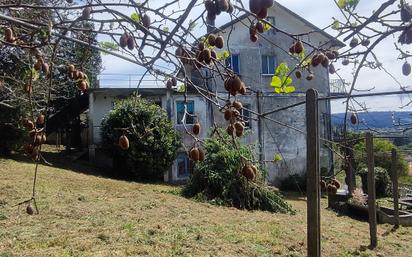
<point>376,120</point>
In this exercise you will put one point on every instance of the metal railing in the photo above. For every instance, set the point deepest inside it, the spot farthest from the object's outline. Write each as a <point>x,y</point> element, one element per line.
<point>337,86</point>
<point>127,80</point>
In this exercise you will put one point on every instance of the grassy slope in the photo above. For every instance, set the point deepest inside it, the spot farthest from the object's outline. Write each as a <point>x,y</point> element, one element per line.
<point>406,180</point>
<point>85,215</point>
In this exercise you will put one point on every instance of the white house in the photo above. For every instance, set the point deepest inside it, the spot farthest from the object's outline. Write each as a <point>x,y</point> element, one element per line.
<point>255,63</point>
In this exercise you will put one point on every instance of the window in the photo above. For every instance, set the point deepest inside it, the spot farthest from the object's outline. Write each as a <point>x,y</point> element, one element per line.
<point>180,109</point>
<point>268,64</point>
<point>233,63</point>
<point>246,115</point>
<point>272,21</point>
<point>184,165</point>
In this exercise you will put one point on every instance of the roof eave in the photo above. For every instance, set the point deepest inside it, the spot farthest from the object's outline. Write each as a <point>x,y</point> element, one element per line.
<point>334,41</point>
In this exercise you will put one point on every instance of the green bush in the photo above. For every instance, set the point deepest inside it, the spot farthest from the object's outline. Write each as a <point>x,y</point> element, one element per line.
<point>382,181</point>
<point>218,178</point>
<point>153,140</point>
<point>381,149</point>
<point>11,131</point>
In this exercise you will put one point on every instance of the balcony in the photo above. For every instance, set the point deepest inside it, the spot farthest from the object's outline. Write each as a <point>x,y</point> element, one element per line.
<point>125,80</point>
<point>337,87</point>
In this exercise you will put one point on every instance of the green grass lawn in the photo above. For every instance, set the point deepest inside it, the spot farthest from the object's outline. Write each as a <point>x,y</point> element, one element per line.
<point>86,215</point>
<point>406,180</point>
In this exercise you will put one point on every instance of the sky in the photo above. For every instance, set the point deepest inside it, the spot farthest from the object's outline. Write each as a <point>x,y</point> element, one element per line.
<point>320,13</point>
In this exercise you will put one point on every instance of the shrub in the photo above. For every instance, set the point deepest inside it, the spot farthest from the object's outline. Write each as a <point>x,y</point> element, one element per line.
<point>11,131</point>
<point>381,150</point>
<point>218,178</point>
<point>153,141</point>
<point>382,181</point>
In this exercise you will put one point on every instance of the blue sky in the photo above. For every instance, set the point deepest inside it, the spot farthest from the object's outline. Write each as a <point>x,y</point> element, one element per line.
<point>320,13</point>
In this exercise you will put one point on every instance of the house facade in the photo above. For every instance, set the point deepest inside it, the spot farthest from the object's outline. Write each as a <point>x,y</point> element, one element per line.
<point>281,134</point>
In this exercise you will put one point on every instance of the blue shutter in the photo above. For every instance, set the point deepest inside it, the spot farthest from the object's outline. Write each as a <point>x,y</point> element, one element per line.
<point>235,64</point>
<point>191,110</point>
<point>179,106</point>
<point>179,111</point>
<point>271,65</point>
<point>264,64</point>
<point>190,107</point>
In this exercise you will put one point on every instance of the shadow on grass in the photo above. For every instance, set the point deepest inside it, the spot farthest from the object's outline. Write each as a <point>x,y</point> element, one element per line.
<point>389,231</point>
<point>294,196</point>
<point>356,216</point>
<point>344,209</point>
<point>62,160</point>
<point>68,160</point>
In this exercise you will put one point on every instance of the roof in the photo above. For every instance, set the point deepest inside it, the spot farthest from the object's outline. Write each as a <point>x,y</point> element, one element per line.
<point>335,41</point>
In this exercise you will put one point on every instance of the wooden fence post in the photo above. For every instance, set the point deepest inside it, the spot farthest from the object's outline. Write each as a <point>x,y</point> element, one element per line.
<point>350,173</point>
<point>371,191</point>
<point>313,173</point>
<point>352,170</point>
<point>395,191</point>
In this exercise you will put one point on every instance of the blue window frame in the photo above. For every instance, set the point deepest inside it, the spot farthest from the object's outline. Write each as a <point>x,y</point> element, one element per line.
<point>180,111</point>
<point>268,64</point>
<point>233,62</point>
<point>184,165</point>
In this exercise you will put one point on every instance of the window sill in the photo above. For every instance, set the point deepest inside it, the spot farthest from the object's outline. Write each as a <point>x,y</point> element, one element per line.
<point>267,75</point>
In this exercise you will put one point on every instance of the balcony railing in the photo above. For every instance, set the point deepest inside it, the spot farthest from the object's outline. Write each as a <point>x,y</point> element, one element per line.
<point>337,87</point>
<point>124,80</point>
